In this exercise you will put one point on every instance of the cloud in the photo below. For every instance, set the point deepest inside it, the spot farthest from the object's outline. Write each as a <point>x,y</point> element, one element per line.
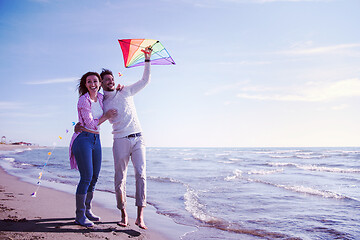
<point>321,50</point>
<point>53,81</point>
<point>247,63</point>
<point>23,115</point>
<point>10,105</point>
<point>223,88</point>
<point>220,3</point>
<point>311,92</point>
<point>340,107</point>
<point>269,1</point>
<point>273,1</point>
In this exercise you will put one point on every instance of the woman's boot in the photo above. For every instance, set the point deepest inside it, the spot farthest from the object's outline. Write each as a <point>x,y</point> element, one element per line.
<point>81,219</point>
<point>88,212</point>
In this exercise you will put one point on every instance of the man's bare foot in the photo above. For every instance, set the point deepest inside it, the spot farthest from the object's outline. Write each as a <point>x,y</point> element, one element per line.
<point>122,224</point>
<point>124,219</point>
<point>140,218</point>
<point>140,223</point>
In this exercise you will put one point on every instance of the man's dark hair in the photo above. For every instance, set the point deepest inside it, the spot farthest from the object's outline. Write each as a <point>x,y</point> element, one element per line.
<point>106,72</point>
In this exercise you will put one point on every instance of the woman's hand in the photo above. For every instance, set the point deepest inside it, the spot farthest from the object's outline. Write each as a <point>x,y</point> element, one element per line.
<point>119,87</point>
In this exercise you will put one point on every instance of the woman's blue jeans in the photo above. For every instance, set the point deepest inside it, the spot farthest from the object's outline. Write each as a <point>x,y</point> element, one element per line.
<point>87,152</point>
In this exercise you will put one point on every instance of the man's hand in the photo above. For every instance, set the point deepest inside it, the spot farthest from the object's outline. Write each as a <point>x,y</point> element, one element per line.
<point>147,52</point>
<point>78,128</point>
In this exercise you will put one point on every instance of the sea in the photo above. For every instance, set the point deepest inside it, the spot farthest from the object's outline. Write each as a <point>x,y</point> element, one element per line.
<point>228,193</point>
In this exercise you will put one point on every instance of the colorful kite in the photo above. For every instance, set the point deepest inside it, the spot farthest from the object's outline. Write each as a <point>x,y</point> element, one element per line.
<point>133,56</point>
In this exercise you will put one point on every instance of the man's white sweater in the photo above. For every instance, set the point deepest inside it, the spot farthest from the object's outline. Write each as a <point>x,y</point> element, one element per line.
<point>126,122</point>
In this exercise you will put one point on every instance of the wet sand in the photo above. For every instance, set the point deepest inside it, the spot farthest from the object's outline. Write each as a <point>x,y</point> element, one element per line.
<point>51,214</point>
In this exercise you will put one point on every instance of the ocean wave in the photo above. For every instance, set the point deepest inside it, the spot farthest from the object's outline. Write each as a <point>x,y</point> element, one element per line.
<point>305,190</point>
<point>343,151</point>
<point>236,228</point>
<point>9,159</point>
<point>315,167</point>
<point>163,179</point>
<point>265,172</point>
<point>311,156</point>
<point>237,174</point>
<point>229,160</point>
<point>329,169</point>
<point>4,152</point>
<point>19,150</point>
<point>278,151</point>
<point>226,162</point>
<point>301,155</point>
<point>195,208</point>
<point>26,164</point>
<point>192,159</point>
<point>222,154</point>
<point>280,156</point>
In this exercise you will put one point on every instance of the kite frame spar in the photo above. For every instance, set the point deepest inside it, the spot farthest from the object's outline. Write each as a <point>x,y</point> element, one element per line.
<point>133,56</point>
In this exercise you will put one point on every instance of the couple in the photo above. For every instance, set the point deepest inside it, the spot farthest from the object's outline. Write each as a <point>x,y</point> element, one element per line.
<point>117,106</point>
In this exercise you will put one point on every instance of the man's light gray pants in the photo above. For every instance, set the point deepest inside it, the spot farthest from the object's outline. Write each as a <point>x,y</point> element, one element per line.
<point>123,149</point>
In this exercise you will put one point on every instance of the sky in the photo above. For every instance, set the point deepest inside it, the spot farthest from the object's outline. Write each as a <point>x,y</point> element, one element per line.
<point>248,73</point>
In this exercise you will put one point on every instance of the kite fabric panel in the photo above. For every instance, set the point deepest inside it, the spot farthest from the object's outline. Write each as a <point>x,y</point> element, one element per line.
<point>133,56</point>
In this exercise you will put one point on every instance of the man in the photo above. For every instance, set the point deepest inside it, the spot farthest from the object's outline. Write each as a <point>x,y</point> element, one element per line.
<point>128,141</point>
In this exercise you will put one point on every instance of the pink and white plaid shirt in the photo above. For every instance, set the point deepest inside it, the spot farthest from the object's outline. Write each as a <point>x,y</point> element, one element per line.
<point>86,119</point>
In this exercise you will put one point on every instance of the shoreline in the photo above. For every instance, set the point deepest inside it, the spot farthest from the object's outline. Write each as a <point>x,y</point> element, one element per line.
<point>51,214</point>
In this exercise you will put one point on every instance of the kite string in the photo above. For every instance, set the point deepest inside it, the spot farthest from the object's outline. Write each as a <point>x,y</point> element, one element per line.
<point>42,169</point>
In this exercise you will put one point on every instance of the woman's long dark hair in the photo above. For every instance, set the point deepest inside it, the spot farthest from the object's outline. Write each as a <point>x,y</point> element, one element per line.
<point>82,83</point>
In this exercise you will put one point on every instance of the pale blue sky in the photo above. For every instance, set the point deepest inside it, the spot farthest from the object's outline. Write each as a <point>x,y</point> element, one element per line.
<point>249,73</point>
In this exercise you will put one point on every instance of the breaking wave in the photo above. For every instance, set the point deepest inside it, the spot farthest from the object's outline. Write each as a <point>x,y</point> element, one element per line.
<point>315,167</point>
<point>305,190</point>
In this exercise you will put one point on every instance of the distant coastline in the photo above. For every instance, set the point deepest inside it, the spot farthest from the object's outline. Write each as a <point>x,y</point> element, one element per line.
<point>12,147</point>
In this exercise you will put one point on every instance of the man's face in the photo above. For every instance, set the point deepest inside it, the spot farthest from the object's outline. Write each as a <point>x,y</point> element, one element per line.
<point>108,82</point>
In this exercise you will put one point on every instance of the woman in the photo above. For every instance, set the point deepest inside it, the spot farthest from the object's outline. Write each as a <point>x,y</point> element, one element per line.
<point>85,147</point>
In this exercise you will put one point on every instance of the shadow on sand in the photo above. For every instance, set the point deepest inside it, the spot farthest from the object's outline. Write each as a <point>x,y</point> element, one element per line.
<point>60,225</point>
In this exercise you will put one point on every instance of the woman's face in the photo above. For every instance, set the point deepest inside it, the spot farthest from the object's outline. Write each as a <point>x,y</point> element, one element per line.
<point>92,84</point>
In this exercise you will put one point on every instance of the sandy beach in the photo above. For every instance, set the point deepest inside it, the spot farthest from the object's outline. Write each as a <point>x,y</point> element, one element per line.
<point>51,214</point>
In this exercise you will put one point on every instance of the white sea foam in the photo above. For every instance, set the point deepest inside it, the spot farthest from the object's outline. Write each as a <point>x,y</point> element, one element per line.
<point>19,150</point>
<point>280,164</point>
<point>237,174</point>
<point>9,159</point>
<point>280,156</point>
<point>222,154</point>
<point>26,164</point>
<point>226,162</point>
<point>316,167</point>
<point>163,179</point>
<point>278,151</point>
<point>265,172</point>
<point>229,160</point>
<point>328,169</point>
<point>192,159</point>
<point>304,190</point>
<point>193,206</point>
<point>312,191</point>
<point>343,151</point>
<point>310,156</point>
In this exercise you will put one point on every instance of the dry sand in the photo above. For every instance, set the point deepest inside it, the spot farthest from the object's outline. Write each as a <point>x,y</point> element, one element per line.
<point>51,214</point>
